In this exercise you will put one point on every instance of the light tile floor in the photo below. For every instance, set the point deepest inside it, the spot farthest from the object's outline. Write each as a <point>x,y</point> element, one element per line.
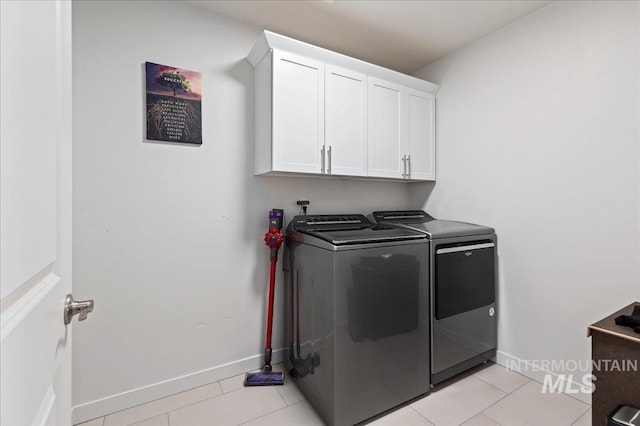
<point>488,397</point>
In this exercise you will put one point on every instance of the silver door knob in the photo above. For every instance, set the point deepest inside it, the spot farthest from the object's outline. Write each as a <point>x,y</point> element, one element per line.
<point>73,307</point>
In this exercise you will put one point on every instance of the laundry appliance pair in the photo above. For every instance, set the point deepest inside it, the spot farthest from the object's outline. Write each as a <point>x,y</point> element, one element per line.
<point>380,309</point>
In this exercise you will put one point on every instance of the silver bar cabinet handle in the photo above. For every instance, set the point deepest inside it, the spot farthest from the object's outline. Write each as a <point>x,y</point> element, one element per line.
<point>322,160</point>
<point>404,162</point>
<point>329,153</point>
<point>409,167</point>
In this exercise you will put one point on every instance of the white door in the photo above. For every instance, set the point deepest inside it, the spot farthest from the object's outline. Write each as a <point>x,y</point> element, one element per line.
<point>345,137</point>
<point>35,210</point>
<point>421,116</point>
<point>298,113</point>
<point>387,124</point>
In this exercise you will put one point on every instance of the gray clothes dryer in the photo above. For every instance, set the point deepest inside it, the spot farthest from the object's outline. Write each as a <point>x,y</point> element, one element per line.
<point>463,290</point>
<point>356,315</point>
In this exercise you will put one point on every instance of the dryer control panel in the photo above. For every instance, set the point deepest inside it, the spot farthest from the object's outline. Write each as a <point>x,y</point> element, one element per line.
<point>402,216</point>
<point>325,222</point>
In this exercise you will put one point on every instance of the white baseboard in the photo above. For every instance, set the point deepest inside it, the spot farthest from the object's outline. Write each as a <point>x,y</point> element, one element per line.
<point>131,398</point>
<point>534,372</point>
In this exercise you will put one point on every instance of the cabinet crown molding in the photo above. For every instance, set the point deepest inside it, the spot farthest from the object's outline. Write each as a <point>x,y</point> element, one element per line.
<point>269,40</point>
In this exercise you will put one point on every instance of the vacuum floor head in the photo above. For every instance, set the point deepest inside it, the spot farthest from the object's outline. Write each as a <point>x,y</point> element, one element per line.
<point>273,378</point>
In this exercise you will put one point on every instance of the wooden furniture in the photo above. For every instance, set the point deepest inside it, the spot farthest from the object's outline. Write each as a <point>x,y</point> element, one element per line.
<point>615,351</point>
<point>320,113</point>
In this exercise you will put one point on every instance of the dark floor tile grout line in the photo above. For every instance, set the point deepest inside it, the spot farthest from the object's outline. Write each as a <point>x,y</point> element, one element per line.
<point>522,385</point>
<point>475,414</point>
<point>484,381</point>
<point>489,417</point>
<point>166,413</point>
<point>481,412</point>
<point>420,414</point>
<point>270,412</point>
<point>563,393</point>
<point>104,419</point>
<point>200,401</point>
<point>530,380</point>
<point>577,399</point>
<point>228,393</point>
<point>282,398</point>
<point>569,395</point>
<point>506,394</point>
<point>580,416</point>
<point>502,390</point>
<point>486,408</point>
<point>285,400</point>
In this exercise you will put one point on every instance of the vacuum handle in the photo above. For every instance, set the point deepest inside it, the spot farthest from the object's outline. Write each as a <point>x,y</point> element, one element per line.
<point>274,236</point>
<point>276,217</point>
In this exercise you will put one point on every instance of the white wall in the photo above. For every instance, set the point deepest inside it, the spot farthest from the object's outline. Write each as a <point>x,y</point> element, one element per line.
<point>538,135</point>
<point>168,238</point>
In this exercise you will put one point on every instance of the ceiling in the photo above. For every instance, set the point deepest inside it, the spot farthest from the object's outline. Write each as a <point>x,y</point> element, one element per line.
<point>402,35</point>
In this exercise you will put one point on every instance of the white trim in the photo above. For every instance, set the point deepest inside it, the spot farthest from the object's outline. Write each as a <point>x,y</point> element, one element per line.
<point>19,310</point>
<point>44,412</point>
<point>269,40</point>
<point>131,398</point>
<point>535,373</point>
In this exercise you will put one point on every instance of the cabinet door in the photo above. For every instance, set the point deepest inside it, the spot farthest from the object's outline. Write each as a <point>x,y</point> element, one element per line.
<point>298,113</point>
<point>345,122</point>
<point>421,134</point>
<point>386,129</point>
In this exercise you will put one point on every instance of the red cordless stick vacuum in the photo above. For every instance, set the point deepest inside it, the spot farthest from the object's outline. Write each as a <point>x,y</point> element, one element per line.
<point>274,239</point>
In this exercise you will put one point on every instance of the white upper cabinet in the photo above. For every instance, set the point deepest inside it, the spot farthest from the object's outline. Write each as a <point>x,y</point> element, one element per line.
<point>318,112</point>
<point>401,132</point>
<point>345,138</point>
<point>420,148</point>
<point>298,113</point>
<point>386,129</point>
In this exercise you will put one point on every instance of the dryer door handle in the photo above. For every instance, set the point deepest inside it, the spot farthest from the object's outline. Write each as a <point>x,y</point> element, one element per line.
<point>465,248</point>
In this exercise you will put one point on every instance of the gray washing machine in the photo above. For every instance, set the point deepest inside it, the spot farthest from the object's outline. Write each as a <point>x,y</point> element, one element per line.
<point>463,290</point>
<point>356,315</point>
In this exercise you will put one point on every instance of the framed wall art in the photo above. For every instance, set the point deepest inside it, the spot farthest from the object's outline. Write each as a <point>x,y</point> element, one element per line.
<point>174,104</point>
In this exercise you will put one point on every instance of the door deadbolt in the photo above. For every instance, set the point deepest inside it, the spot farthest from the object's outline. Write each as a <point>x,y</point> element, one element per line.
<point>73,307</point>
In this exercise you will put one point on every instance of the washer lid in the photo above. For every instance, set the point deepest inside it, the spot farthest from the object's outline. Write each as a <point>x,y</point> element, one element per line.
<point>449,228</point>
<point>350,229</point>
<point>433,228</point>
<point>371,235</point>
